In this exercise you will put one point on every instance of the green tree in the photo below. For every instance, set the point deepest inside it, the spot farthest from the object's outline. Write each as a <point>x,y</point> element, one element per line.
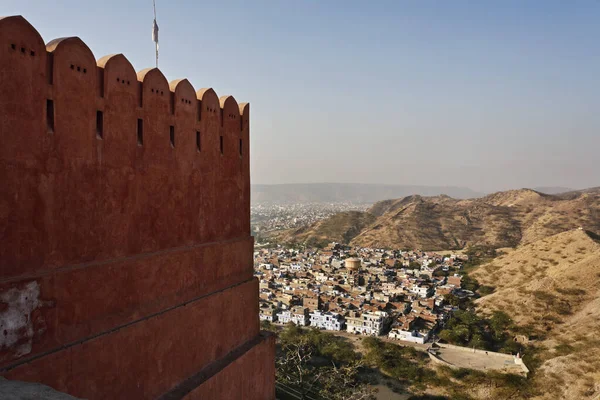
<point>469,283</point>
<point>314,362</point>
<point>464,303</point>
<point>267,326</point>
<point>452,299</point>
<point>440,272</point>
<point>414,265</point>
<point>342,383</point>
<point>294,367</point>
<point>500,321</point>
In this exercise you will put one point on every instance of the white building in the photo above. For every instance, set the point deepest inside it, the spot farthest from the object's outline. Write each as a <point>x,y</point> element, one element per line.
<point>300,316</point>
<point>366,323</point>
<point>327,320</point>
<point>284,317</point>
<point>296,267</point>
<point>297,315</point>
<point>409,336</point>
<point>422,291</point>
<point>267,312</point>
<point>411,329</point>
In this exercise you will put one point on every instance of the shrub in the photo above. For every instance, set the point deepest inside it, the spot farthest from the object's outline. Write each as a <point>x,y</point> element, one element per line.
<point>563,349</point>
<point>484,290</point>
<point>571,291</point>
<point>403,363</point>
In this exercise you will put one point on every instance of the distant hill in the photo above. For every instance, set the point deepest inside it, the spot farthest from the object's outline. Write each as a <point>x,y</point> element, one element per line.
<point>551,289</point>
<point>503,219</point>
<point>552,189</point>
<point>348,192</point>
<point>574,193</point>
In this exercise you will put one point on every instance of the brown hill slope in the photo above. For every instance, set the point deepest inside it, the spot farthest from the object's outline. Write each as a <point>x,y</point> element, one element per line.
<point>552,288</point>
<point>341,227</point>
<point>503,219</point>
<point>439,222</point>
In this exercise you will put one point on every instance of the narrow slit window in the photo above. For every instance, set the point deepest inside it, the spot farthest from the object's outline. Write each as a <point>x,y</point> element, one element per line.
<point>50,67</point>
<point>50,115</point>
<point>241,147</point>
<point>140,132</point>
<point>99,124</point>
<point>141,94</point>
<point>199,110</point>
<point>100,81</point>
<point>221,144</point>
<point>172,135</point>
<point>198,142</point>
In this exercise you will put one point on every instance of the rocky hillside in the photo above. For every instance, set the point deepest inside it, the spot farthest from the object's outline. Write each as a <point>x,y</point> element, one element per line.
<point>341,227</point>
<point>503,219</point>
<point>551,289</point>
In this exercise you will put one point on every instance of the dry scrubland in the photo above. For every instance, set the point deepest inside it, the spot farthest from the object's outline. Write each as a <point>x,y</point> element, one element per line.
<point>341,228</point>
<point>551,289</point>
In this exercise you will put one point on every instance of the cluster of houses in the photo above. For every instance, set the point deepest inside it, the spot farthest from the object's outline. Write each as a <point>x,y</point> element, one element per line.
<point>363,291</point>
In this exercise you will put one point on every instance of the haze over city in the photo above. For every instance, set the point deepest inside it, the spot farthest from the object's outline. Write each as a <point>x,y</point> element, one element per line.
<point>487,96</point>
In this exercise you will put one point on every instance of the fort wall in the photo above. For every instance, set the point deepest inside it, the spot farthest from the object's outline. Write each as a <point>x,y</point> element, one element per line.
<point>228,385</point>
<point>125,247</point>
<point>62,132</point>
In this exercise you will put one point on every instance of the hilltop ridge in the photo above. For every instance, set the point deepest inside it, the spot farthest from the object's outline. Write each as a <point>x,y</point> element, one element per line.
<point>347,192</point>
<point>501,219</point>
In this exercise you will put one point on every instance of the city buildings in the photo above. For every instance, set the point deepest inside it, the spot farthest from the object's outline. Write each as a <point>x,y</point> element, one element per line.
<point>363,291</point>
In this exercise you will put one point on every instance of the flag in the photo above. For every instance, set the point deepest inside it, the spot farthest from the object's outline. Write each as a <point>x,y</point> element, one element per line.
<point>155,33</point>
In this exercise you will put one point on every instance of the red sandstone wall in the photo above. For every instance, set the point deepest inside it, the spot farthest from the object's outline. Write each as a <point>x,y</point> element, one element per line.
<point>228,385</point>
<point>78,303</point>
<point>169,346</point>
<point>125,261</point>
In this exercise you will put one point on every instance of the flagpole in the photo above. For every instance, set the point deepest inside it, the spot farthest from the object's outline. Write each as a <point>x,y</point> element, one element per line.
<point>155,30</point>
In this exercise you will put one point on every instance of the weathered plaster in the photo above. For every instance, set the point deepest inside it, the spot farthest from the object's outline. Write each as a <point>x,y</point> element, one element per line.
<point>16,325</point>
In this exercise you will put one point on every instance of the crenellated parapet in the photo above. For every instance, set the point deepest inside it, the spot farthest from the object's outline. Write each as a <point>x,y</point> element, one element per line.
<point>65,73</point>
<point>141,148</point>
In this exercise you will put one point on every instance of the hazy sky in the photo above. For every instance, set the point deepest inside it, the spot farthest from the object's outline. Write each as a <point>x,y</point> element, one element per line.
<point>470,93</point>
